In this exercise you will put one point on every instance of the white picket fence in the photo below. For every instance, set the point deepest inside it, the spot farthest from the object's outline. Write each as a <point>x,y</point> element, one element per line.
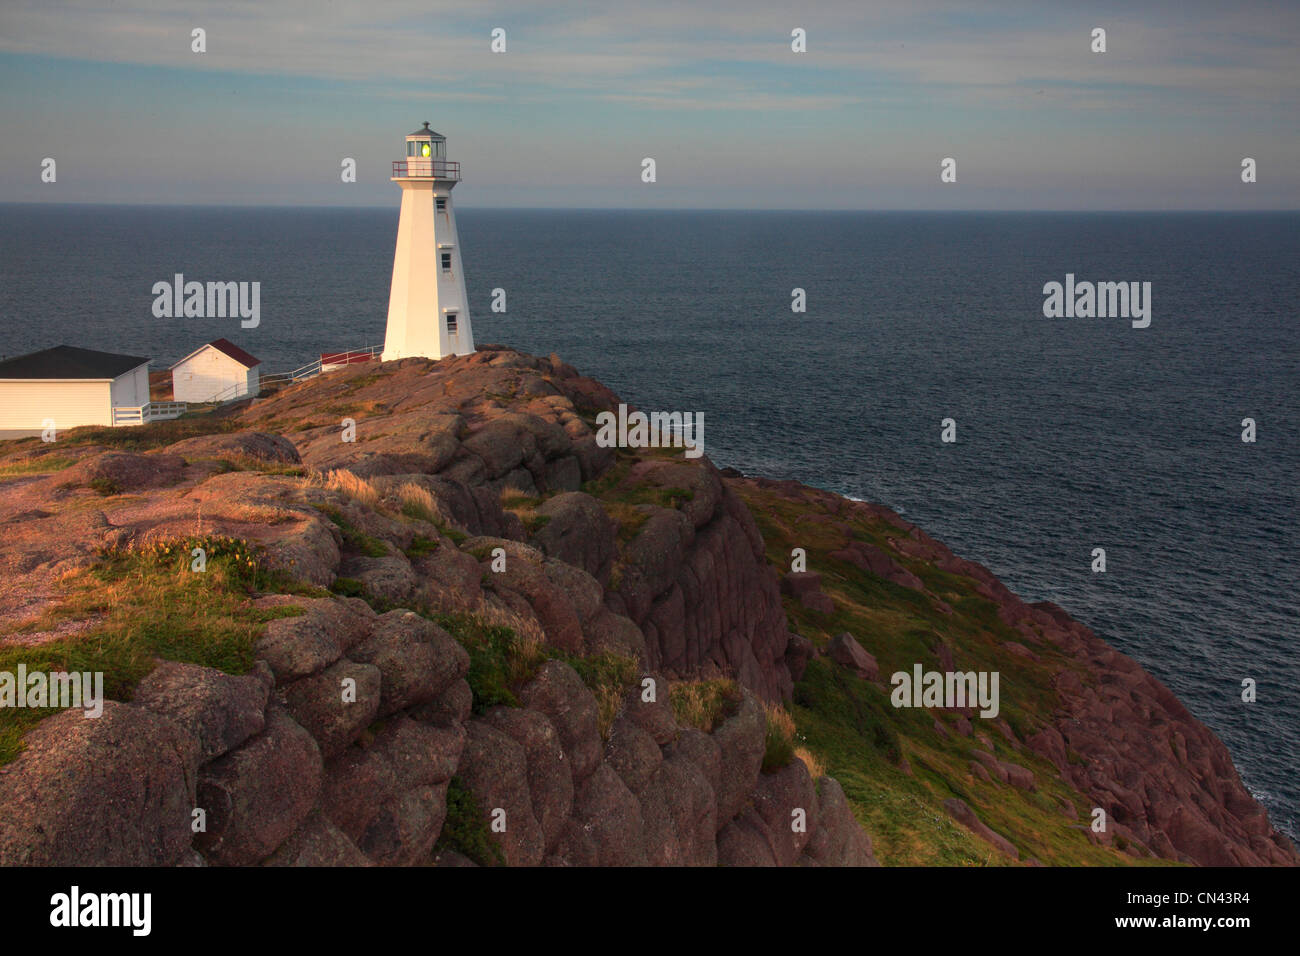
<point>149,412</point>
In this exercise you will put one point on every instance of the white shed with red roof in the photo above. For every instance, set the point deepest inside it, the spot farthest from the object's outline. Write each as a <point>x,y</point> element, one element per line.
<point>215,372</point>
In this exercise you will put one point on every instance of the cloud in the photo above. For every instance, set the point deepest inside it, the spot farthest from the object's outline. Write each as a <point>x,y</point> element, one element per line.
<point>711,89</point>
<point>567,49</point>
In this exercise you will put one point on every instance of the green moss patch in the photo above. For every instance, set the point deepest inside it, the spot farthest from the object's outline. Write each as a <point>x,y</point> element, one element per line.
<point>146,605</point>
<point>466,830</point>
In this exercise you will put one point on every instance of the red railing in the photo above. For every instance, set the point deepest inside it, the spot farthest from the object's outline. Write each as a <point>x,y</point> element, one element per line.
<point>350,357</point>
<point>420,168</point>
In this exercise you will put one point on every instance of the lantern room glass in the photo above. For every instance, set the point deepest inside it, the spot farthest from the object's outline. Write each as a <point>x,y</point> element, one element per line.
<point>425,149</point>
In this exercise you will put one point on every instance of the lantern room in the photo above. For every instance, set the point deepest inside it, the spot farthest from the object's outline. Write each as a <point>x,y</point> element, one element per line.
<point>426,155</point>
<point>426,144</point>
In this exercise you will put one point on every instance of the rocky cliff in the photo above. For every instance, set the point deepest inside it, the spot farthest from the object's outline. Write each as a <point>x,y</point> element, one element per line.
<point>414,614</point>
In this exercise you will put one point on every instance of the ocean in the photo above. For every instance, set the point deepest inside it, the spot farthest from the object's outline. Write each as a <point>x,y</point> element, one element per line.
<point>1072,433</point>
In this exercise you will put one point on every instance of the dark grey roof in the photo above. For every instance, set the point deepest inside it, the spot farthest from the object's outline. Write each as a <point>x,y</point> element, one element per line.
<point>67,361</point>
<point>432,134</point>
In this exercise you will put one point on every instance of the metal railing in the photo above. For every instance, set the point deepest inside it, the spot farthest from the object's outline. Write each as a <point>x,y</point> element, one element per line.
<point>333,360</point>
<point>421,168</point>
<point>231,392</point>
<point>148,412</point>
<point>311,370</point>
<point>327,361</point>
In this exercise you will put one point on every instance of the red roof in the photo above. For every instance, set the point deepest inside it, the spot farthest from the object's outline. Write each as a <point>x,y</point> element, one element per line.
<point>235,352</point>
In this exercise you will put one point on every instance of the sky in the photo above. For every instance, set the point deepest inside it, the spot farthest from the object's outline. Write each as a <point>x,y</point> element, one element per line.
<point>712,91</point>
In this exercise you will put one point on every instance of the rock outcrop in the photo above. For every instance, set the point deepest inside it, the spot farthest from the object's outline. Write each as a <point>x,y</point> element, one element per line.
<point>456,613</point>
<point>1117,735</point>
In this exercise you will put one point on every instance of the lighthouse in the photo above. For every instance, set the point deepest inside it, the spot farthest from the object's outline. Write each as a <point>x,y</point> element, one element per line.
<point>428,311</point>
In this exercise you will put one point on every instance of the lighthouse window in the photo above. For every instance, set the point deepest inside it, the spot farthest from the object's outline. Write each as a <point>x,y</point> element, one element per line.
<point>446,262</point>
<point>451,322</point>
<point>440,205</point>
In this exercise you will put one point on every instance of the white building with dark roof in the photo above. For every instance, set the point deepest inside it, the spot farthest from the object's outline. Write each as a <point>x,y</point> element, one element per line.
<point>215,372</point>
<point>64,387</point>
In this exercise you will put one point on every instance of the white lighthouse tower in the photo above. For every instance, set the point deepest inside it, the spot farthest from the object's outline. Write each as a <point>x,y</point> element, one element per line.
<point>428,311</point>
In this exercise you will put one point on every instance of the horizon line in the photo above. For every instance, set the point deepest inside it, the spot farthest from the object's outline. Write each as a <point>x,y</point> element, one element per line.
<point>656,209</point>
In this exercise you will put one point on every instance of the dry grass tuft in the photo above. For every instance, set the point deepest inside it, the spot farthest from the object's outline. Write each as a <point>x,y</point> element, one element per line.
<point>779,746</point>
<point>816,766</point>
<point>417,502</point>
<point>358,489</point>
<point>780,720</point>
<point>525,508</point>
<point>495,614</point>
<point>704,704</point>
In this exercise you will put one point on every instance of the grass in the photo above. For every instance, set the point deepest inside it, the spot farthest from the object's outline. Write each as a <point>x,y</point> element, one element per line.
<point>35,466</point>
<point>895,768</point>
<point>417,502</point>
<point>465,828</point>
<point>525,508</point>
<point>629,518</point>
<point>353,538</point>
<point>675,497</point>
<point>608,677</point>
<point>348,587</point>
<point>105,487</point>
<point>778,744</point>
<point>238,462</point>
<point>535,523</point>
<point>147,436</point>
<point>815,764</point>
<point>359,383</point>
<point>420,546</point>
<point>704,704</point>
<point>862,709</point>
<point>455,534</point>
<point>511,500</point>
<point>501,662</point>
<point>622,501</point>
<point>358,489</point>
<point>147,604</point>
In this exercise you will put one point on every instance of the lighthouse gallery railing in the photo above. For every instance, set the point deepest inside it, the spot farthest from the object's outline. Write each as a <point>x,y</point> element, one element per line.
<point>432,168</point>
